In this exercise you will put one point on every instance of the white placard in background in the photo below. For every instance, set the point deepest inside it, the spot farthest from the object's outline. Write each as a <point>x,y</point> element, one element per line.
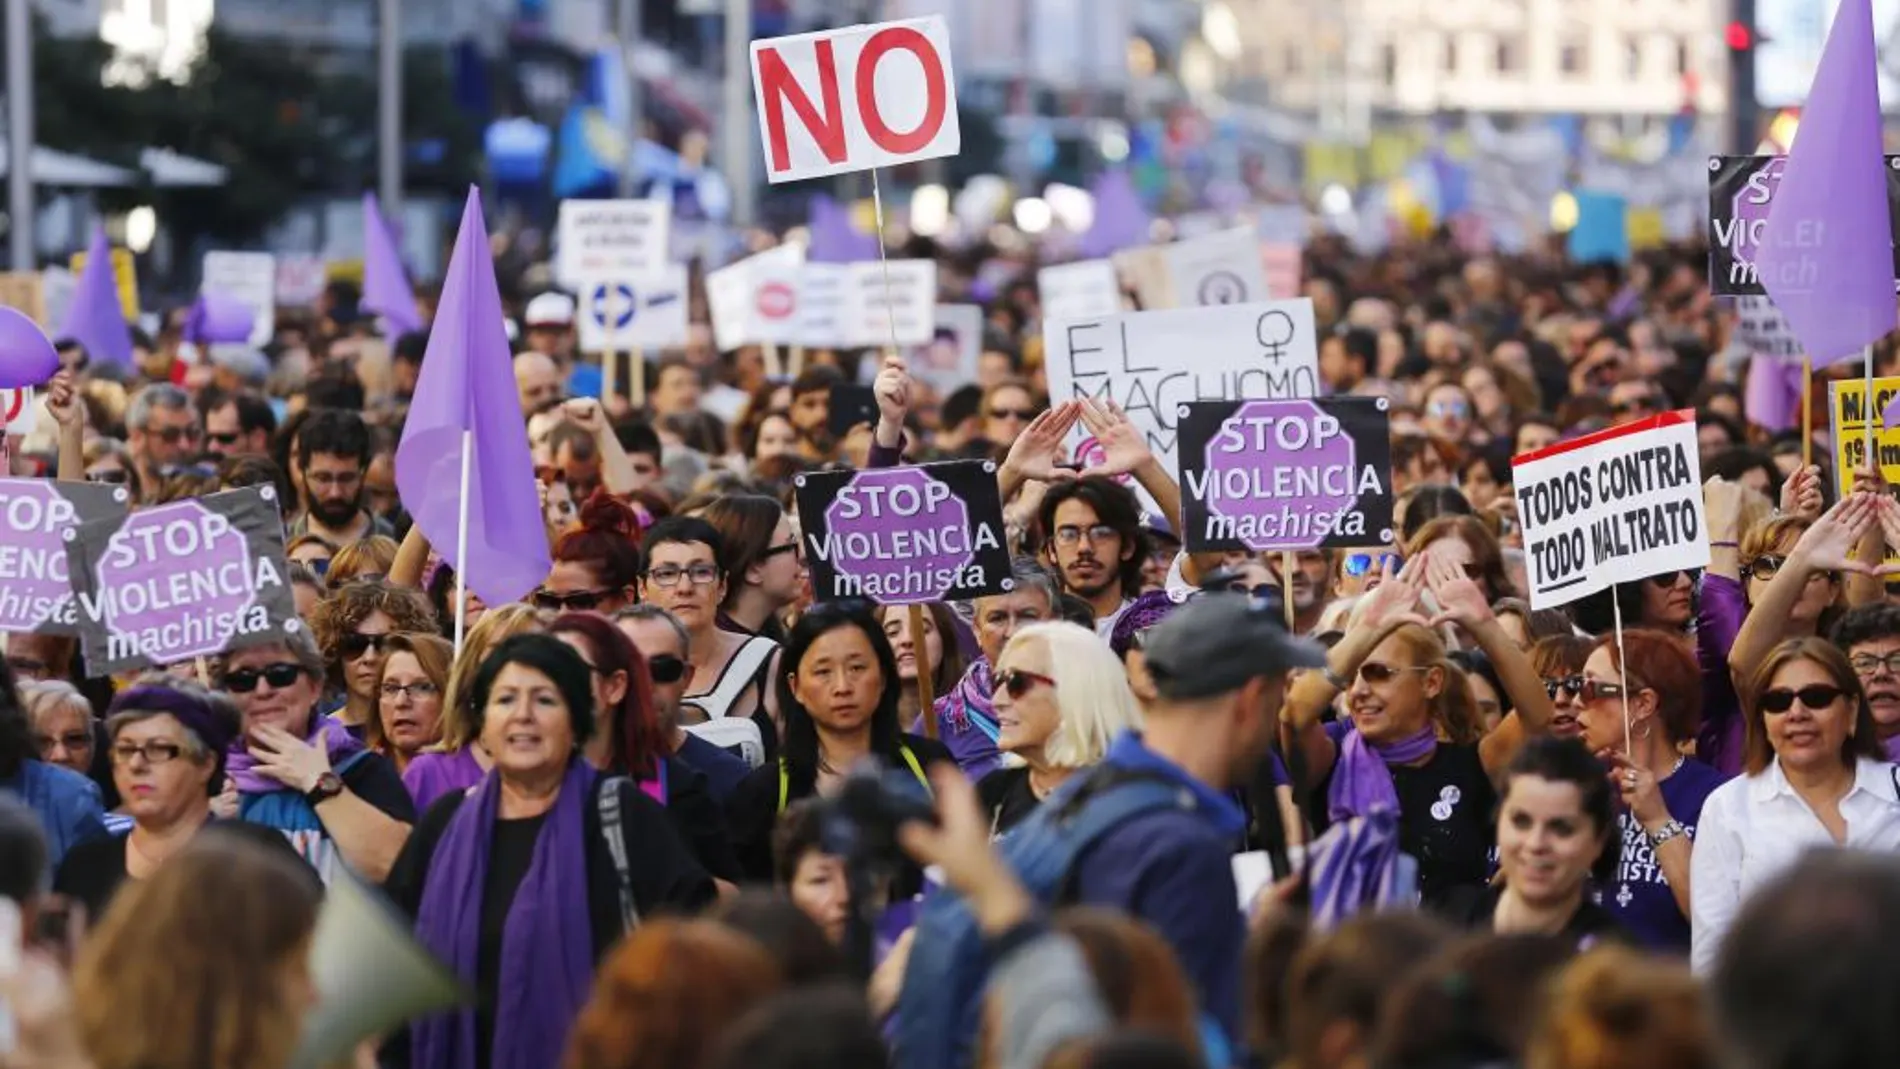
<point>1081,290</point>
<point>611,239</point>
<point>1220,268</point>
<point>623,314</point>
<point>249,278</point>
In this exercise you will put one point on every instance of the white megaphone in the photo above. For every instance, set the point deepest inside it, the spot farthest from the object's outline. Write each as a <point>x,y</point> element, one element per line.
<point>370,973</point>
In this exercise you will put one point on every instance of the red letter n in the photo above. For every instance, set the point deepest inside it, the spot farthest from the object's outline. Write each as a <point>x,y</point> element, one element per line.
<point>778,88</point>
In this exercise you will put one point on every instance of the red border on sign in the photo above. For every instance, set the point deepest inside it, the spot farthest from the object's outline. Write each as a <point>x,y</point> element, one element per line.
<point>1657,422</point>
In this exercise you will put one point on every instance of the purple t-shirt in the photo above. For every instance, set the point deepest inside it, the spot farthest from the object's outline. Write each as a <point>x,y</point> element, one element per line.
<point>432,775</point>
<point>1638,897</point>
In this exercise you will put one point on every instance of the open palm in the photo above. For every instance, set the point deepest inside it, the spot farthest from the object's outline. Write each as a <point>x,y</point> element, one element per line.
<point>1123,447</point>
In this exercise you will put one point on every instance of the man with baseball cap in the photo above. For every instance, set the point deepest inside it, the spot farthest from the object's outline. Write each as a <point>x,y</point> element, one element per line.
<point>1219,667</point>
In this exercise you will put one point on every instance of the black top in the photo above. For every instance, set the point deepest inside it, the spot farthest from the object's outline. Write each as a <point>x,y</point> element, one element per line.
<point>1475,907</point>
<point>1446,811</point>
<point>1007,798</point>
<point>373,778</point>
<point>699,819</point>
<point>752,811</point>
<point>93,870</point>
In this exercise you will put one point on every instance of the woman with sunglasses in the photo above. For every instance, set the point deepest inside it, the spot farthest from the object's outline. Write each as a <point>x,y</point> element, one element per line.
<point>1413,744</point>
<point>352,627</point>
<point>1654,677</point>
<point>597,563</point>
<point>1359,570</point>
<point>409,696</point>
<point>766,566</point>
<point>313,552</point>
<point>839,693</point>
<point>457,761</point>
<point>1814,775</point>
<point>303,774</point>
<point>1060,700</point>
<point>1558,660</point>
<point>167,739</point>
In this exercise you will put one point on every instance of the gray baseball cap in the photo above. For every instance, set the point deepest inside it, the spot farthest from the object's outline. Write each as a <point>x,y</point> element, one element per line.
<point>1217,642</point>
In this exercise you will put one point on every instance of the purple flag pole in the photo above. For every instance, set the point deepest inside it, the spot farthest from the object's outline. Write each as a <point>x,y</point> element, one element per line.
<point>465,432</point>
<point>1826,255</point>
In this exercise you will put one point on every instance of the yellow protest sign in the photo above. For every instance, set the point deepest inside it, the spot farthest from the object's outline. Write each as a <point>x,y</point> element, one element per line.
<point>26,291</point>
<point>1646,228</point>
<point>124,275</point>
<point>1847,413</point>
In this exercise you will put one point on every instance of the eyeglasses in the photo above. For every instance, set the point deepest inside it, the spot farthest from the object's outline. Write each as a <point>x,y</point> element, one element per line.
<point>1379,672</point>
<point>1017,682</point>
<point>355,644</point>
<point>229,438</point>
<point>193,471</point>
<point>1666,579</point>
<point>1634,404</point>
<point>773,551</point>
<point>1867,664</point>
<point>1448,408</point>
<point>1765,566</point>
<point>279,676</point>
<point>155,752</point>
<point>111,476</point>
<point>1069,534</point>
<point>666,668</point>
<point>1013,413</point>
<point>27,666</point>
<point>1814,697</point>
<point>70,741</point>
<point>1571,685</point>
<point>668,575</point>
<point>572,601</point>
<point>319,566</point>
<point>413,691</point>
<point>173,435</point>
<point>1358,564</point>
<point>1597,690</point>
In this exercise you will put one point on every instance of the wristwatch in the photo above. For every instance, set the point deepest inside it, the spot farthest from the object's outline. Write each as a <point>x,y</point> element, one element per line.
<point>329,785</point>
<point>1665,833</point>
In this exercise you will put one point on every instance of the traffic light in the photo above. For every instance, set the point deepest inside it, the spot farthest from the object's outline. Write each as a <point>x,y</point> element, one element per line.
<point>1740,36</point>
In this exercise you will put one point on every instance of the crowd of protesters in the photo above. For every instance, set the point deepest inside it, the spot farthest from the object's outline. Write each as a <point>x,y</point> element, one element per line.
<point>629,812</point>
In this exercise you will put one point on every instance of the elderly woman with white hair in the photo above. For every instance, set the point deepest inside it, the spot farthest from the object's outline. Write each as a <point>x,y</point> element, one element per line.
<point>1061,698</point>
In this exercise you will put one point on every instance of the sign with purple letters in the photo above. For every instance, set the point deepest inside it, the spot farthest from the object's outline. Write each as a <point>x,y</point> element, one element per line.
<point>35,514</point>
<point>1301,474</point>
<point>189,579</point>
<point>902,536</point>
<point>1741,192</point>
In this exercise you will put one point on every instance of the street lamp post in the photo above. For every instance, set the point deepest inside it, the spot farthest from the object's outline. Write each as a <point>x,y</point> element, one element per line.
<point>20,228</point>
<point>389,108</point>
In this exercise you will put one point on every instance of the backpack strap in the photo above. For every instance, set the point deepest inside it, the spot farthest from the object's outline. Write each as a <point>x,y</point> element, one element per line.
<point>741,672</point>
<point>611,828</point>
<point>916,768</point>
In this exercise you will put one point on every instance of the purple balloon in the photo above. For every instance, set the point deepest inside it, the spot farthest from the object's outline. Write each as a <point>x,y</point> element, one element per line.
<point>26,356</point>
<point>216,320</point>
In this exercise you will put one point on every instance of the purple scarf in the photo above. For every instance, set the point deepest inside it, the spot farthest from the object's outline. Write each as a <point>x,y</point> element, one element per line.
<point>324,731</point>
<point>966,721</point>
<point>1891,744</point>
<point>1362,780</point>
<point>547,948</point>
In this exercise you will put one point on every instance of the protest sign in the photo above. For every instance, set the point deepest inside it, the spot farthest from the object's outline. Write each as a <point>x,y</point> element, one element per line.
<point>1611,507</point>
<point>597,239</point>
<point>908,306</point>
<point>1151,363</point>
<point>755,301</point>
<point>1760,326</point>
<point>19,411</point>
<point>1145,270</point>
<point>828,311</point>
<point>35,514</point>
<point>905,536</point>
<point>125,279</point>
<point>189,579</point>
<point>855,98</point>
<point>1081,290</point>
<point>300,280</point>
<point>26,291</point>
<point>1847,419</point>
<point>1259,475</point>
<point>1220,268</point>
<point>250,278</point>
<point>624,314</point>
<point>1741,193</point>
<point>956,344</point>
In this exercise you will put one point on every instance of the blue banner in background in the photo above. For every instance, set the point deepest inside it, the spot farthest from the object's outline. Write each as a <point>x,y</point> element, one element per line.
<point>1602,230</point>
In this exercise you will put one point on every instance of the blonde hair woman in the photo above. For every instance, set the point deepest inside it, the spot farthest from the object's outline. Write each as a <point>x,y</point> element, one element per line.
<point>1061,698</point>
<point>456,762</point>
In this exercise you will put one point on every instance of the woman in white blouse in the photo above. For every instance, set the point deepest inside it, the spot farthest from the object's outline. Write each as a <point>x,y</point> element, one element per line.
<point>1814,776</point>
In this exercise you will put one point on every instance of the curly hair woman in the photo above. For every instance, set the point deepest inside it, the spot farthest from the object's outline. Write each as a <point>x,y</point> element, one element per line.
<point>352,628</point>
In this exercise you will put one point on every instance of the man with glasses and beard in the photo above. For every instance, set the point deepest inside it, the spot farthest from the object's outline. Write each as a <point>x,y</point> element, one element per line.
<point>663,641</point>
<point>334,449</point>
<point>1092,539</point>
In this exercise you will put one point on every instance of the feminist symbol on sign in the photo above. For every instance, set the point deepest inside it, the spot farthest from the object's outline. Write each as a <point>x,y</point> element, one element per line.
<point>1274,339</point>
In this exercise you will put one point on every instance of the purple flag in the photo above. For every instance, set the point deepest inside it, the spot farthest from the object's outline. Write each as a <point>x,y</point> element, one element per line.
<point>1772,398</point>
<point>467,388</point>
<point>218,320</point>
<point>833,239</point>
<point>385,284</point>
<point>95,319</point>
<point>26,357</point>
<point>1120,219</point>
<point>1826,255</point>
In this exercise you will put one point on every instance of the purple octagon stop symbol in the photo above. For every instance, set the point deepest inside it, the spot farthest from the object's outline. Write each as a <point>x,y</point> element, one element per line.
<point>1751,214</point>
<point>890,525</point>
<point>1279,471</point>
<point>33,521</point>
<point>190,563</point>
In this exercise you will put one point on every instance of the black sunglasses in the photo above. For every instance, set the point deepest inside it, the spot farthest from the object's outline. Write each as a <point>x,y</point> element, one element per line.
<point>666,668</point>
<point>1571,685</point>
<point>354,645</point>
<point>1815,696</point>
<point>279,676</point>
<point>1018,682</point>
<point>575,601</point>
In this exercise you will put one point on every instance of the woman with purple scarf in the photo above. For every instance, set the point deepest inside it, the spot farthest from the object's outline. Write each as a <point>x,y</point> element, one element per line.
<point>1414,744</point>
<point>303,773</point>
<point>522,883</point>
<point>966,716</point>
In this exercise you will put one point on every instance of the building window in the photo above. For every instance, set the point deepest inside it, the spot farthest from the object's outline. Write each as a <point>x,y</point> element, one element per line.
<point>1574,57</point>
<point>1633,58</point>
<point>1451,55</point>
<point>1684,61</point>
<point>1509,56</point>
<point>1389,63</point>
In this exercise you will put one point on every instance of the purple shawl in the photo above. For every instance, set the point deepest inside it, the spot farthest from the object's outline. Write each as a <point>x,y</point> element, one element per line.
<point>432,775</point>
<point>547,949</point>
<point>1362,782</point>
<point>324,731</point>
<point>966,721</point>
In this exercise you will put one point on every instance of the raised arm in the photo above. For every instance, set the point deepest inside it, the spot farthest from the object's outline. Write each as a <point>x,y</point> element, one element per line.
<point>1125,452</point>
<point>63,402</point>
<point>616,468</point>
<point>1826,546</point>
<point>892,389</point>
<point>1035,454</point>
<point>1461,601</point>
